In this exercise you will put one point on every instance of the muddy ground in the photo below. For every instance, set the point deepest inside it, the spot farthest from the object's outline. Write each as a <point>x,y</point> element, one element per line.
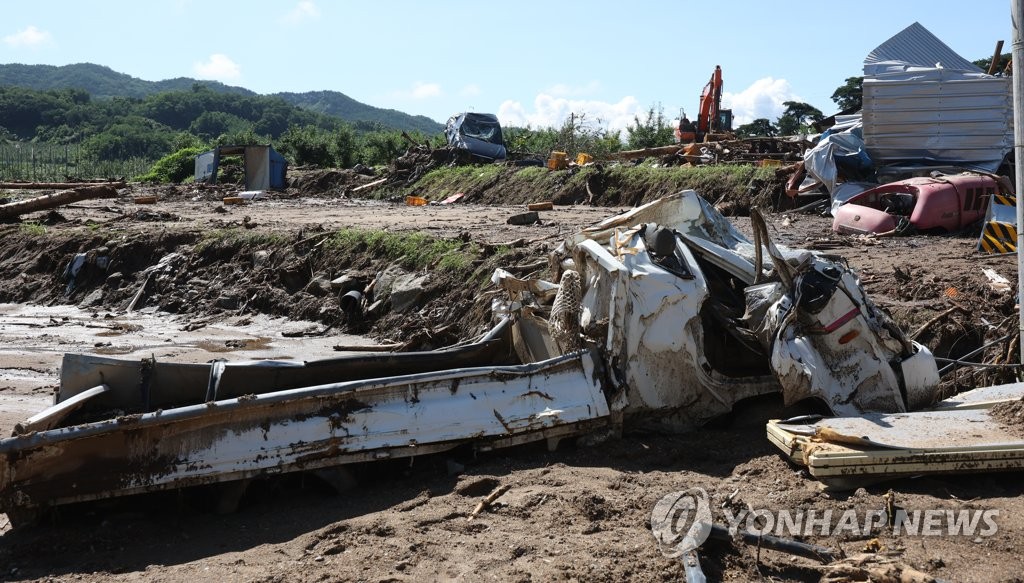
<point>252,281</point>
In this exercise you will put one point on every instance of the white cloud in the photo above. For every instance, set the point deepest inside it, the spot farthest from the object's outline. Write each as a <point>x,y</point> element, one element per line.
<point>552,111</point>
<point>471,90</point>
<point>563,90</point>
<point>425,90</point>
<point>218,67</point>
<point>762,99</point>
<point>304,10</point>
<point>29,37</point>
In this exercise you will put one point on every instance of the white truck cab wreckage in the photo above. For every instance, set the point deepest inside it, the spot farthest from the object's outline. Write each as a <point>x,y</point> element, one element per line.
<point>664,317</point>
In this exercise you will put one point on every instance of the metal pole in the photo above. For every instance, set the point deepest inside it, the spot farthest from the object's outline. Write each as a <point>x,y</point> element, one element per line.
<point>1017,13</point>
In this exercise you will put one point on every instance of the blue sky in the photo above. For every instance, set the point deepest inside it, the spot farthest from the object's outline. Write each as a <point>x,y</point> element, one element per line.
<point>528,61</point>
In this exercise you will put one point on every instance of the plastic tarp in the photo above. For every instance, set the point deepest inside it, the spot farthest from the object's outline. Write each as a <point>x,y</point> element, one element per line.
<point>844,149</point>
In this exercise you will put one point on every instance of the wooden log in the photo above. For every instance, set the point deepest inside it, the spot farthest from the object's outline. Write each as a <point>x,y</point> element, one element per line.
<point>644,153</point>
<point>540,206</point>
<point>56,185</point>
<point>995,58</point>
<point>14,209</point>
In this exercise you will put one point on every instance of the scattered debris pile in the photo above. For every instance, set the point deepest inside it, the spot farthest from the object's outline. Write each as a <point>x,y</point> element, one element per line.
<point>668,291</point>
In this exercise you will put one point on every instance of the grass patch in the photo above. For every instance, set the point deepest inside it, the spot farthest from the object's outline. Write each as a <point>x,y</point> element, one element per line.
<point>240,237</point>
<point>32,228</point>
<point>410,250</point>
<point>443,182</point>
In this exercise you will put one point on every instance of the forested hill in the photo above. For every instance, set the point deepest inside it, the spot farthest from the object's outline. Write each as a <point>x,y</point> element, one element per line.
<point>102,82</point>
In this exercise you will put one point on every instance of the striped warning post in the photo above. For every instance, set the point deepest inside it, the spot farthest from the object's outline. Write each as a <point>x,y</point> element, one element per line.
<point>1005,199</point>
<point>999,231</point>
<point>998,238</point>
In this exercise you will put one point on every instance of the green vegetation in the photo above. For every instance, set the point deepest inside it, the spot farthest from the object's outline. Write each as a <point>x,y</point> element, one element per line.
<point>104,83</point>
<point>577,134</point>
<point>32,228</point>
<point>234,238</point>
<point>410,250</point>
<point>174,167</point>
<point>651,132</point>
<point>849,96</point>
<point>443,182</point>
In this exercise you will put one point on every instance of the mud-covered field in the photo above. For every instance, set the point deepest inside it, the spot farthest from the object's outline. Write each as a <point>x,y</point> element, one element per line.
<point>254,281</point>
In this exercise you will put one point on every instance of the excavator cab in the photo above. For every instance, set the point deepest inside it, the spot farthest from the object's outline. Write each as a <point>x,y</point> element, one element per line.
<point>686,130</point>
<point>724,121</point>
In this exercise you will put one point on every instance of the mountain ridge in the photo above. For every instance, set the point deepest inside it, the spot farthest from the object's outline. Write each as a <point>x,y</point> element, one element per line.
<point>102,82</point>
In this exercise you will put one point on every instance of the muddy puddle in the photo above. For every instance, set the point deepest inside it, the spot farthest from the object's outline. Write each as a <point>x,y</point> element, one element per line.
<point>35,338</point>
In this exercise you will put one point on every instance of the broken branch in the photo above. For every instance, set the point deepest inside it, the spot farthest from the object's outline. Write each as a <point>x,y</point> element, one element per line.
<point>486,502</point>
<point>929,323</point>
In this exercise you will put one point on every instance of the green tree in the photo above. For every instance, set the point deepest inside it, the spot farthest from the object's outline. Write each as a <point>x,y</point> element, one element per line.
<point>344,146</point>
<point>651,132</point>
<point>130,137</point>
<point>211,124</point>
<point>381,148</point>
<point>759,127</point>
<point>307,145</point>
<point>1004,59</point>
<point>850,96</point>
<point>797,117</point>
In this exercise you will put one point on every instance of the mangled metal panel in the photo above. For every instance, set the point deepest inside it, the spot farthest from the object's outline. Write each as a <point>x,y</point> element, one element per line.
<point>306,428</point>
<point>265,168</point>
<point>934,119</point>
<point>915,46</point>
<point>924,103</point>
<point>958,436</point>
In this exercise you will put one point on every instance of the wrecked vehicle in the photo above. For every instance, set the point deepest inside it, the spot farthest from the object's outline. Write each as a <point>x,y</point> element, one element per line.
<point>663,317</point>
<point>478,134</point>
<point>934,204</point>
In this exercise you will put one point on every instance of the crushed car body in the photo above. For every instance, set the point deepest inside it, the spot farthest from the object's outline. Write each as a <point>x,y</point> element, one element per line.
<point>690,321</point>
<point>479,134</point>
<point>931,204</point>
<point>663,317</point>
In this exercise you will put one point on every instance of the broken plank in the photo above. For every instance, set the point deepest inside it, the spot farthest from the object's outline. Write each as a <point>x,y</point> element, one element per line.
<point>370,185</point>
<point>899,445</point>
<point>14,209</point>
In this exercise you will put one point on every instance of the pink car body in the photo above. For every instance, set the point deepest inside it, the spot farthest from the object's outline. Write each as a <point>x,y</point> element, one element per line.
<point>926,204</point>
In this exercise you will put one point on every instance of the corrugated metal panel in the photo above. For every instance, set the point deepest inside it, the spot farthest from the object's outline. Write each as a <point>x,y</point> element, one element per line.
<point>916,46</point>
<point>941,117</point>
